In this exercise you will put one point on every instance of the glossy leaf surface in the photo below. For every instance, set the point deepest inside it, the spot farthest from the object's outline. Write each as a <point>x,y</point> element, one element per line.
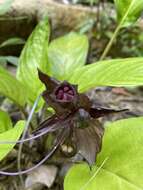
<point>10,135</point>
<point>128,11</point>
<point>5,121</point>
<point>66,54</point>
<point>33,56</point>
<point>117,72</point>
<point>12,88</point>
<point>121,159</point>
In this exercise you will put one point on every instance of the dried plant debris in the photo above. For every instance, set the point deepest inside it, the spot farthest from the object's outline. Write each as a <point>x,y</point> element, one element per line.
<point>44,175</point>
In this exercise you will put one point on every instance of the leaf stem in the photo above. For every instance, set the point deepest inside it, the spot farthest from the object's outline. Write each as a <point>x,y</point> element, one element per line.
<point>109,45</point>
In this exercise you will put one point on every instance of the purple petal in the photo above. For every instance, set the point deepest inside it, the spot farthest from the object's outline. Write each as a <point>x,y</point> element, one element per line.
<point>89,140</point>
<point>100,112</point>
<point>49,82</point>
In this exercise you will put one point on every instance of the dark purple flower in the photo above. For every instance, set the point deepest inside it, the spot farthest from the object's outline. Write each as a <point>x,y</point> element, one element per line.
<point>75,114</point>
<point>75,121</point>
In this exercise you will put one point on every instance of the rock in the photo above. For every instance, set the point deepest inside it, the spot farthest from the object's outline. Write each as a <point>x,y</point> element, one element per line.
<point>42,175</point>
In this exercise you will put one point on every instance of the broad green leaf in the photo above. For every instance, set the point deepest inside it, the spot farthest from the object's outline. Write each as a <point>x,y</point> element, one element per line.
<point>4,8</point>
<point>10,135</point>
<point>66,54</point>
<point>12,41</point>
<point>117,72</point>
<point>121,159</point>
<point>33,56</point>
<point>12,88</point>
<point>5,121</point>
<point>128,11</point>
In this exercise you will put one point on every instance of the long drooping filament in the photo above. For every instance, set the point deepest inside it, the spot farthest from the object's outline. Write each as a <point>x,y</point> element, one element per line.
<point>48,126</point>
<point>59,140</point>
<point>33,137</point>
<point>27,124</point>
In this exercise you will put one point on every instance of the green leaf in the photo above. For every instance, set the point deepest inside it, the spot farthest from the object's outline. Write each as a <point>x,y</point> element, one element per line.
<point>33,56</point>
<point>5,121</point>
<point>121,159</point>
<point>4,8</point>
<point>66,54</point>
<point>10,135</point>
<point>3,61</point>
<point>12,41</point>
<point>11,59</point>
<point>12,88</point>
<point>117,72</point>
<point>128,11</point>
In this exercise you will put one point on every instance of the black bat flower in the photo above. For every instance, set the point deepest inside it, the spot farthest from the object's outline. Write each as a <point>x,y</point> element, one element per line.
<point>76,115</point>
<point>75,121</point>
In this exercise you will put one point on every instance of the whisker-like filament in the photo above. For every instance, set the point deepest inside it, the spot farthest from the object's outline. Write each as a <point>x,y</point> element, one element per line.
<point>32,168</point>
<point>47,126</point>
<point>27,124</point>
<point>59,140</point>
<point>48,130</point>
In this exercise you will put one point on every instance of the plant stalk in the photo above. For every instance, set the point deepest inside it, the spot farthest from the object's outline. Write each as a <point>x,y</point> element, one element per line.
<point>109,45</point>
